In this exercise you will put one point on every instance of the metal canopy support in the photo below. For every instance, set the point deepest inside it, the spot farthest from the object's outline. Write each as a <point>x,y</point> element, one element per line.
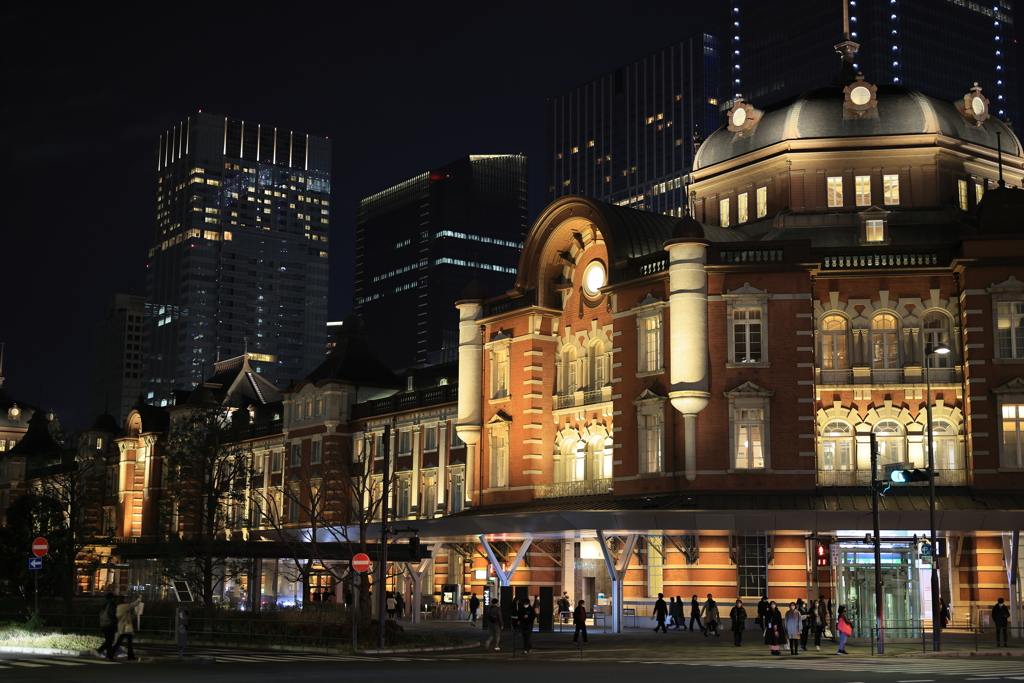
<point>417,573</point>
<point>1011,554</point>
<point>504,577</point>
<point>617,572</point>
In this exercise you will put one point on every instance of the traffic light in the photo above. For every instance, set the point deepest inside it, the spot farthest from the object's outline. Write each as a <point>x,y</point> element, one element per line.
<point>908,476</point>
<point>414,548</point>
<point>821,553</point>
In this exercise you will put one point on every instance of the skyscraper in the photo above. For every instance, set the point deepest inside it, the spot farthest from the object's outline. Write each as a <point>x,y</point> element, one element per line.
<point>419,243</point>
<point>627,137</point>
<point>118,357</point>
<point>773,50</point>
<point>239,256</point>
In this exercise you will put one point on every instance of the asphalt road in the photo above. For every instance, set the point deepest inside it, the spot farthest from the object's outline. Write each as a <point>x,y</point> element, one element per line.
<point>235,666</point>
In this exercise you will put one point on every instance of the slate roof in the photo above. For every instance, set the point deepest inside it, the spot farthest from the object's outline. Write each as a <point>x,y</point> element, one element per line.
<point>353,360</point>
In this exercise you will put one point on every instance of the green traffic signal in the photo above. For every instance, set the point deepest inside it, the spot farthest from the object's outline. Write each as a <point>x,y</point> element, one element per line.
<point>909,476</point>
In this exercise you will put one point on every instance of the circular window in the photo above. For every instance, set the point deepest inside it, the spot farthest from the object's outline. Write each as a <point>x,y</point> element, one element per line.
<point>978,106</point>
<point>594,278</point>
<point>860,95</point>
<point>739,117</point>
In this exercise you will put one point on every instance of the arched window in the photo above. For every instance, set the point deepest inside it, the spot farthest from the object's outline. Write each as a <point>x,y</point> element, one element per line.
<point>935,331</point>
<point>599,458</point>
<point>570,370</point>
<point>598,366</point>
<point>891,442</point>
<point>835,345</point>
<point>946,442</point>
<point>885,350</point>
<point>837,452</point>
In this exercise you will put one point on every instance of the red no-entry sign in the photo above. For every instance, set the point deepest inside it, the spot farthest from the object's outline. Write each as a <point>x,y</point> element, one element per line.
<point>360,562</point>
<point>40,546</point>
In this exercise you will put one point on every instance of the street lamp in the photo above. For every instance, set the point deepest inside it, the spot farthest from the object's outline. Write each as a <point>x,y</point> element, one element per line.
<point>929,351</point>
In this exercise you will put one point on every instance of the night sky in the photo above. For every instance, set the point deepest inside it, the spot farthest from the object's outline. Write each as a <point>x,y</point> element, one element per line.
<point>398,87</point>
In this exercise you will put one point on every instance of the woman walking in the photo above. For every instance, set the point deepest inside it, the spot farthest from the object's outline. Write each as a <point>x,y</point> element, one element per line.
<point>695,614</point>
<point>711,616</point>
<point>845,628</point>
<point>773,628</point>
<point>793,628</point>
<point>814,623</point>
<point>675,611</point>
<point>805,629</point>
<point>738,617</point>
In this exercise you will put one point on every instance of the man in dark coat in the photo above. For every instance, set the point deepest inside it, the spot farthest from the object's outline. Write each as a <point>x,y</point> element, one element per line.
<point>474,605</point>
<point>660,612</point>
<point>738,616</point>
<point>1001,619</point>
<point>108,623</point>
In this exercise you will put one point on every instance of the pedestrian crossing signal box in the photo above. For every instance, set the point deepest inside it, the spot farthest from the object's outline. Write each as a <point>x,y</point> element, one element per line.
<point>821,554</point>
<point>182,591</point>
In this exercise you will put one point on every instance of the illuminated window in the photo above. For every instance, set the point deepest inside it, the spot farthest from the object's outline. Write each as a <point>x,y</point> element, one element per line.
<point>565,183</point>
<point>835,191</point>
<point>741,208</point>
<point>885,354</point>
<point>723,212</point>
<point>874,231</point>
<point>712,100</point>
<point>837,447</point>
<point>590,144</point>
<point>762,202</point>
<point>1012,425</point>
<point>979,192</point>
<point>575,149</point>
<point>891,189</point>
<point>835,343</point>
<point>748,424</point>
<point>862,188</point>
<point>746,335</point>
<point>650,341</point>
<point>961,187</point>
<point>650,119</point>
<point>1010,328</point>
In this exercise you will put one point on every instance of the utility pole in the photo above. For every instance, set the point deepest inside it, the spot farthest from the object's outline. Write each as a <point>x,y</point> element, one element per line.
<point>879,597</point>
<point>929,351</point>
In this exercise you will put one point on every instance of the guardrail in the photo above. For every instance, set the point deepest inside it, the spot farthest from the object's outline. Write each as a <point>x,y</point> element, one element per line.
<point>574,489</point>
<point>950,636</point>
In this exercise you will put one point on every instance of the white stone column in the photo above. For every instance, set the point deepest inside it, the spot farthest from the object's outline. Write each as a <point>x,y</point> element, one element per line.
<point>443,446</point>
<point>414,485</point>
<point>688,335</point>
<point>470,419</point>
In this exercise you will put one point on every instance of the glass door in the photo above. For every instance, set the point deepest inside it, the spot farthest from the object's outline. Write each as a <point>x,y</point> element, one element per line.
<point>856,589</point>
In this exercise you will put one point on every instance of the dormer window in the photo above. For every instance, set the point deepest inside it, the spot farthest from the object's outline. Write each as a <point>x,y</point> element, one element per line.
<point>874,231</point>
<point>874,226</point>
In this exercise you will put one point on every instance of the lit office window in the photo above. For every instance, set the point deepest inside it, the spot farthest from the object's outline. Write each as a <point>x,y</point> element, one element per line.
<point>835,191</point>
<point>891,189</point>
<point>741,208</point>
<point>762,202</point>
<point>862,187</point>
<point>874,231</point>
<point>723,212</point>
<point>961,187</point>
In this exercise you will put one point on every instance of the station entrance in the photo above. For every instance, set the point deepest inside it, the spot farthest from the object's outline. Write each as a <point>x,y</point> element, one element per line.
<point>901,590</point>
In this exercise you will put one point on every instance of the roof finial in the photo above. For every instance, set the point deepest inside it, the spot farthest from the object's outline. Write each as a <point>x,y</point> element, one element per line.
<point>999,150</point>
<point>245,346</point>
<point>846,19</point>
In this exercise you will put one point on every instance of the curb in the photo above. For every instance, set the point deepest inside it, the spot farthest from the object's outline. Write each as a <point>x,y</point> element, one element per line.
<point>400,650</point>
<point>982,655</point>
<point>45,651</point>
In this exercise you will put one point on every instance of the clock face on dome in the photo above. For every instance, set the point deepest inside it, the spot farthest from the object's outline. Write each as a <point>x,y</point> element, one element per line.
<point>860,95</point>
<point>739,117</point>
<point>978,106</point>
<point>594,278</point>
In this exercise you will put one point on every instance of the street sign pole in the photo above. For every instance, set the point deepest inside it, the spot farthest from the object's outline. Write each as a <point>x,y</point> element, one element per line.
<point>879,597</point>
<point>35,592</point>
<point>40,546</point>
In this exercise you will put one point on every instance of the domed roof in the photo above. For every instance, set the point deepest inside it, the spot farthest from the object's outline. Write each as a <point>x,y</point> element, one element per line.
<point>474,291</point>
<point>106,423</point>
<point>687,227</point>
<point>820,114</point>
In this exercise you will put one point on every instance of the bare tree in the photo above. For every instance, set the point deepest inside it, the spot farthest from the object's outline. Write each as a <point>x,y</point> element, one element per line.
<point>208,471</point>
<point>324,505</point>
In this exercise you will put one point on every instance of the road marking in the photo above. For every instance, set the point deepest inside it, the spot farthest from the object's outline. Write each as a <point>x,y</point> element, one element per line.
<point>920,680</point>
<point>27,664</point>
<point>56,661</point>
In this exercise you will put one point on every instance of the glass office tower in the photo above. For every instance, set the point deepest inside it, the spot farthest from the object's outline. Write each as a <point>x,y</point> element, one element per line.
<point>420,242</point>
<point>774,49</point>
<point>118,357</point>
<point>628,137</point>
<point>239,256</point>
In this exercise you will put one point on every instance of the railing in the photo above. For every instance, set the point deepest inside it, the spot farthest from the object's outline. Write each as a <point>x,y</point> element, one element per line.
<point>942,375</point>
<point>448,393</point>
<point>951,638</point>
<point>574,489</point>
<point>887,376</point>
<point>880,260</point>
<point>579,398</point>
<point>752,256</point>
<point>850,478</point>
<point>565,401</point>
<point>510,304</point>
<point>837,376</point>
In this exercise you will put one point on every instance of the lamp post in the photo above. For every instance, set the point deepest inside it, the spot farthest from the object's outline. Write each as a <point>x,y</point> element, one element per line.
<point>929,351</point>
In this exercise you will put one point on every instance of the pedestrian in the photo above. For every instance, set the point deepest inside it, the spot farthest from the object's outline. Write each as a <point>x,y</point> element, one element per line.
<point>943,613</point>
<point>392,605</point>
<point>814,622</point>
<point>762,611</point>
<point>400,605</point>
<point>527,616</point>
<point>695,613</point>
<point>773,628</point>
<point>675,611</point>
<point>513,614</point>
<point>1001,619</point>
<point>738,617</point>
<point>805,631</point>
<point>845,629</point>
<point>474,605</point>
<point>563,607</point>
<point>579,618</point>
<point>711,617</point>
<point>823,618</point>
<point>125,626</point>
<point>660,612</point>
<point>494,624</point>
<point>108,623</point>
<point>794,626</point>
<point>830,613</point>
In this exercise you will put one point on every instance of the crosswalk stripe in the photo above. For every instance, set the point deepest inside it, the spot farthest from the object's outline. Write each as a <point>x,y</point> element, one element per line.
<point>29,664</point>
<point>56,661</point>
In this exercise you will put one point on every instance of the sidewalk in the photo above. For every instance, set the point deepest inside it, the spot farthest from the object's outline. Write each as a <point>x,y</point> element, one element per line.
<point>641,644</point>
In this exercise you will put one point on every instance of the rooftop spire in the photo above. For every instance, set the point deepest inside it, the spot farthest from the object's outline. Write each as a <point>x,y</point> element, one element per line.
<point>999,150</point>
<point>847,49</point>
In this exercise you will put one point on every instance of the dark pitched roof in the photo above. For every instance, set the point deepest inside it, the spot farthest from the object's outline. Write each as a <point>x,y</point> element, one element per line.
<point>37,442</point>
<point>352,359</point>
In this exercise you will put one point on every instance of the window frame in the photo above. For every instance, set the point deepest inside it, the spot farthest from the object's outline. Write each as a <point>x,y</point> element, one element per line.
<point>723,212</point>
<point>891,189</point>
<point>747,298</point>
<point>650,415</point>
<point>650,340</point>
<point>742,207</point>
<point>961,193</point>
<point>749,397</point>
<point>862,190</point>
<point>847,438</point>
<point>834,191</point>
<point>762,202</point>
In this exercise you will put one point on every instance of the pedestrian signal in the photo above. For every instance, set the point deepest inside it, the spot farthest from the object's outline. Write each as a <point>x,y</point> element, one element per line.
<point>822,554</point>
